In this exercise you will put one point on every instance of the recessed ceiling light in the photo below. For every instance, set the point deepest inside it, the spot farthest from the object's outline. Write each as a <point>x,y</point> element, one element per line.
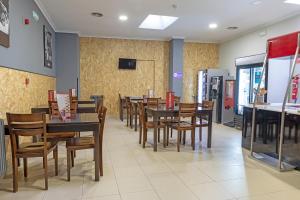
<point>123,18</point>
<point>213,26</point>
<point>292,1</point>
<point>157,22</point>
<point>96,14</point>
<point>256,3</point>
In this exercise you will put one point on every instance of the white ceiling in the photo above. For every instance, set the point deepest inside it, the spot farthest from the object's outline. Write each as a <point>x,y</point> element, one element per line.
<point>194,17</point>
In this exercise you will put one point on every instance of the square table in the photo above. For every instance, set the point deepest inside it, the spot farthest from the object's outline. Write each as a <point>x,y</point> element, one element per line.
<point>78,123</point>
<point>162,111</point>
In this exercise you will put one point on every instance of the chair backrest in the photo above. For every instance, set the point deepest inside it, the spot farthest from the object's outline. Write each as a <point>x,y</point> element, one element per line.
<point>153,102</point>
<point>127,102</point>
<point>208,104</point>
<point>187,110</point>
<point>101,116</point>
<point>26,125</point>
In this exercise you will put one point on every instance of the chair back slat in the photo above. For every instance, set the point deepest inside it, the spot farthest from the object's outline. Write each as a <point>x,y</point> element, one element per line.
<point>153,102</point>
<point>27,124</point>
<point>208,104</point>
<point>187,110</point>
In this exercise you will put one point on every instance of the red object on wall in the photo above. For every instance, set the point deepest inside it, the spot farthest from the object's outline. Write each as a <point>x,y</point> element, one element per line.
<point>170,100</point>
<point>229,94</point>
<point>27,81</point>
<point>51,95</point>
<point>26,21</point>
<point>295,87</point>
<point>283,46</point>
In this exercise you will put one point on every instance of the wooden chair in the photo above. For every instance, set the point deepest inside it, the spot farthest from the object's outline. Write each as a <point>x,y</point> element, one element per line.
<point>30,125</point>
<point>80,143</point>
<point>122,105</point>
<point>145,125</point>
<point>153,102</point>
<point>129,110</point>
<point>186,110</point>
<point>202,119</point>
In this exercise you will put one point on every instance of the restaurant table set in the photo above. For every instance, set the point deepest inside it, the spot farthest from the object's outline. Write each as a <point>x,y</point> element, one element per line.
<point>46,128</point>
<point>164,110</point>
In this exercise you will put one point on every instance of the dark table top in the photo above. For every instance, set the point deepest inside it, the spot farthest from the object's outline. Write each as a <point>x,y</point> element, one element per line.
<point>79,118</point>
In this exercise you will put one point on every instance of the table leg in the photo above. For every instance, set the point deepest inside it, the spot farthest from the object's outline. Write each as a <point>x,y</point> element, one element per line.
<point>97,154</point>
<point>121,110</point>
<point>209,132</point>
<point>155,121</point>
<point>135,117</point>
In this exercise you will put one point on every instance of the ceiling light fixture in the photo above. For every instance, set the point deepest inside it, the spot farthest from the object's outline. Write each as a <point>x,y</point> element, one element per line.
<point>96,14</point>
<point>157,22</point>
<point>123,18</point>
<point>232,28</point>
<point>256,3</point>
<point>213,26</point>
<point>292,1</point>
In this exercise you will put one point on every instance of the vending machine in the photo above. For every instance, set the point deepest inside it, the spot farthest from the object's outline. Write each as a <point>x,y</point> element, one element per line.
<point>211,87</point>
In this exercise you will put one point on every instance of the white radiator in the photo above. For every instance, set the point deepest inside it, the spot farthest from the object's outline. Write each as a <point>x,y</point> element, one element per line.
<point>2,149</point>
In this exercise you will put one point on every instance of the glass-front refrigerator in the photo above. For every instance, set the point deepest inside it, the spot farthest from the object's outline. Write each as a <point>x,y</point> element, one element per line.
<point>248,74</point>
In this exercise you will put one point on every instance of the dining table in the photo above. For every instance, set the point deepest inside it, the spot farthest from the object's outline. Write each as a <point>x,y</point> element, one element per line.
<point>80,122</point>
<point>123,102</point>
<point>84,106</point>
<point>162,111</point>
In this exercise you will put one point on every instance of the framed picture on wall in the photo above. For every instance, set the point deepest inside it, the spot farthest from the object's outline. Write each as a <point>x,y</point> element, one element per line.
<point>4,23</point>
<point>47,48</point>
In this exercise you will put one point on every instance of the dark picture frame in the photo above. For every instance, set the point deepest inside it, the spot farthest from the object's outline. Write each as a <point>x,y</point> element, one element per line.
<point>4,23</point>
<point>48,53</point>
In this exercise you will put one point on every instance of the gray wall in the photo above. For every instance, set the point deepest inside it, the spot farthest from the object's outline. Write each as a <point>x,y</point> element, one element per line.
<point>67,61</point>
<point>176,66</point>
<point>26,41</point>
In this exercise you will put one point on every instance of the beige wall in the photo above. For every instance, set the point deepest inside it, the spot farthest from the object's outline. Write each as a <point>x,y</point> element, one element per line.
<point>99,72</point>
<point>197,56</point>
<point>16,96</point>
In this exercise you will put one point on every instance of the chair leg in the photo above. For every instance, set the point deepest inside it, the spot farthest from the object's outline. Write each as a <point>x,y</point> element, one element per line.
<point>158,135</point>
<point>55,154</point>
<point>72,158</point>
<point>200,133</point>
<point>101,160</point>
<point>178,140</point>
<point>140,133</point>
<point>193,139</point>
<point>165,137</point>
<point>184,138</point>
<point>15,174</point>
<point>25,167</point>
<point>144,137</point>
<point>68,165</point>
<point>46,171</point>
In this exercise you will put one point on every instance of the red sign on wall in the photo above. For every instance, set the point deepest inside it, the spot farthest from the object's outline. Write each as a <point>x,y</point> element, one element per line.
<point>283,46</point>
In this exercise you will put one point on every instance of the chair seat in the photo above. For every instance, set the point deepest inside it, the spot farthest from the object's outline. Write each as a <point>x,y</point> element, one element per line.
<point>182,126</point>
<point>81,143</point>
<point>37,147</point>
<point>151,125</point>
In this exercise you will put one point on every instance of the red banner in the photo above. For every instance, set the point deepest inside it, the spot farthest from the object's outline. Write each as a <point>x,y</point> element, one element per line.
<point>283,46</point>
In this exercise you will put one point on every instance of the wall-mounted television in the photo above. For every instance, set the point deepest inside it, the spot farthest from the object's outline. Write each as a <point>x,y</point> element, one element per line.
<point>126,63</point>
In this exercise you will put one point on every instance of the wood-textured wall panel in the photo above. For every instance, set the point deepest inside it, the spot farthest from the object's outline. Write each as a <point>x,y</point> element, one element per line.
<point>197,56</point>
<point>16,97</point>
<point>99,73</point>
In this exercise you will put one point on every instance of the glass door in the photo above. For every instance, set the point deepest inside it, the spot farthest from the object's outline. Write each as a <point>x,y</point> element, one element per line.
<point>248,78</point>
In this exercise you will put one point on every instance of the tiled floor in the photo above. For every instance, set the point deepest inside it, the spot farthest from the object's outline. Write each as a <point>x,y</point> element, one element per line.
<point>132,173</point>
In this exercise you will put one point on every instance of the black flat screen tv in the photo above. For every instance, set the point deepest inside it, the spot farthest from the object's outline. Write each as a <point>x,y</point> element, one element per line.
<point>126,63</point>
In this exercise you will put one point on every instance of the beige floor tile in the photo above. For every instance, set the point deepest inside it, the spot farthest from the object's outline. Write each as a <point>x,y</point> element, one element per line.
<point>145,195</point>
<point>288,194</point>
<point>111,197</point>
<point>130,185</point>
<point>193,177</point>
<point>259,197</point>
<point>211,191</point>
<point>102,188</point>
<point>128,172</point>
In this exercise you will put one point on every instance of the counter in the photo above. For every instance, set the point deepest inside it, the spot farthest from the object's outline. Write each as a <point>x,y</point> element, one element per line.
<point>266,134</point>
